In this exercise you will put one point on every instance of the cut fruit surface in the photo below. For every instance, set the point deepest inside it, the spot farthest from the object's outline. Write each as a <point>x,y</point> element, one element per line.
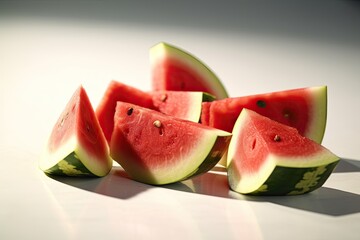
<point>177,70</point>
<point>181,104</point>
<point>77,146</point>
<point>117,91</point>
<point>157,149</point>
<point>266,157</point>
<point>304,109</point>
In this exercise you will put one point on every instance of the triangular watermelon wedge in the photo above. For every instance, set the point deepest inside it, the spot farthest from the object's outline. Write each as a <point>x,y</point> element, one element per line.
<point>77,146</point>
<point>158,149</point>
<point>175,69</point>
<point>266,157</point>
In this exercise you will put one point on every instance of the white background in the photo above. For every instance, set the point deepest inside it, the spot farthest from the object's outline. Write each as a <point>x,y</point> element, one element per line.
<point>47,49</point>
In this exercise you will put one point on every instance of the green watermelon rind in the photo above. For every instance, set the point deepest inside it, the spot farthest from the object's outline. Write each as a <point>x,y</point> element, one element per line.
<point>213,157</point>
<point>69,152</point>
<point>207,97</point>
<point>165,50</point>
<point>69,166</point>
<point>275,178</point>
<point>295,181</point>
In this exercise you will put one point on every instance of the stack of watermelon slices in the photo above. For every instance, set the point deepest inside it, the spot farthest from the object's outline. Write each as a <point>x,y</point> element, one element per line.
<point>270,143</point>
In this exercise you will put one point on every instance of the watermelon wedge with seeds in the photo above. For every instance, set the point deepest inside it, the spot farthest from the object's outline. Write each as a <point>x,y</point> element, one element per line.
<point>175,69</point>
<point>266,157</point>
<point>304,109</point>
<point>182,104</point>
<point>77,146</point>
<point>158,149</point>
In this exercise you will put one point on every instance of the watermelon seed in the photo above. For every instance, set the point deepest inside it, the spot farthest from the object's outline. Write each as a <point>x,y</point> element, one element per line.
<point>163,97</point>
<point>129,111</point>
<point>161,131</point>
<point>253,144</point>
<point>157,123</point>
<point>277,138</point>
<point>63,119</point>
<point>261,103</point>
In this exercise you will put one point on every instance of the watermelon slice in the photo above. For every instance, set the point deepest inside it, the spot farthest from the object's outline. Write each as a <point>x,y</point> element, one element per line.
<point>174,69</point>
<point>181,104</point>
<point>266,157</point>
<point>117,91</point>
<point>77,146</point>
<point>157,149</point>
<point>303,109</point>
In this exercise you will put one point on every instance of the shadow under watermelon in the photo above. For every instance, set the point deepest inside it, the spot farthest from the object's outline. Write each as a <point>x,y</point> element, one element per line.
<point>214,183</point>
<point>328,201</point>
<point>347,165</point>
<point>116,184</point>
<point>325,200</point>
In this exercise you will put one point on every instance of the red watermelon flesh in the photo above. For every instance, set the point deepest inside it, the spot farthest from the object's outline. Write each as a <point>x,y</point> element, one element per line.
<point>205,113</point>
<point>182,104</point>
<point>264,152</point>
<point>263,135</point>
<point>303,109</point>
<point>117,91</point>
<point>176,70</point>
<point>155,148</point>
<point>77,134</point>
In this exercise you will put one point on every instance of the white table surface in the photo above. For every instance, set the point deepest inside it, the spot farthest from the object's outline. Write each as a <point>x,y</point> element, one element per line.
<point>48,49</point>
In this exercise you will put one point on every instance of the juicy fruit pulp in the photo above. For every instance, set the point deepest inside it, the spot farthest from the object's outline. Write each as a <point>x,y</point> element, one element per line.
<point>117,91</point>
<point>269,158</point>
<point>184,105</point>
<point>77,146</point>
<point>159,149</point>
<point>176,70</point>
<point>303,109</point>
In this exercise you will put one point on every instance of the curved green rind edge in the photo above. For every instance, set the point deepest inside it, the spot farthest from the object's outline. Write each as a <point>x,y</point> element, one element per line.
<point>294,181</point>
<point>216,83</point>
<point>71,165</point>
<point>216,153</point>
<point>207,97</point>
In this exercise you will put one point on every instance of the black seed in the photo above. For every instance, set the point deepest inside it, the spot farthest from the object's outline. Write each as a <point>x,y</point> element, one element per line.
<point>277,138</point>
<point>253,144</point>
<point>163,97</point>
<point>129,111</point>
<point>261,103</point>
